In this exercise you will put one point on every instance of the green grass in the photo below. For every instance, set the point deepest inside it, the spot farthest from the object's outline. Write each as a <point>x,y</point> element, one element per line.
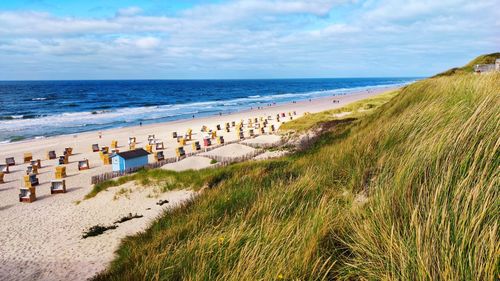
<point>164,179</point>
<point>469,68</point>
<point>356,110</point>
<point>427,161</point>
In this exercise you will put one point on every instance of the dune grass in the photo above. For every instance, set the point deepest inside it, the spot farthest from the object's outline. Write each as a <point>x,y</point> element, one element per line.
<point>408,192</point>
<point>166,180</point>
<point>353,110</point>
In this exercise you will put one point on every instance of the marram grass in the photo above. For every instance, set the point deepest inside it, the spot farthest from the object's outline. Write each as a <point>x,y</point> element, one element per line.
<point>408,192</point>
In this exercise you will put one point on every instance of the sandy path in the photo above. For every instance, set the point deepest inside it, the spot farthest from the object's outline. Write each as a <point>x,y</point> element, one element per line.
<point>41,240</point>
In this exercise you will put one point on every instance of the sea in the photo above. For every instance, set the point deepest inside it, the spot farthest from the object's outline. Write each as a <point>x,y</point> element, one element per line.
<point>38,109</point>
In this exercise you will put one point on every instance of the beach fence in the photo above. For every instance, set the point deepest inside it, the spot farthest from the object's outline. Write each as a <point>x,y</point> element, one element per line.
<point>111,175</point>
<point>221,160</point>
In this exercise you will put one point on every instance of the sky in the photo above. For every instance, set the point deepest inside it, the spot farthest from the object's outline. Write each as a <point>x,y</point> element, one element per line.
<point>241,39</point>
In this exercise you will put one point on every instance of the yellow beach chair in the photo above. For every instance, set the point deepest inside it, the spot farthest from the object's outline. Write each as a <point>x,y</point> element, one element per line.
<point>180,152</point>
<point>114,144</point>
<point>60,172</point>
<point>30,180</point>
<point>148,148</point>
<point>1,177</point>
<point>28,157</point>
<point>196,146</point>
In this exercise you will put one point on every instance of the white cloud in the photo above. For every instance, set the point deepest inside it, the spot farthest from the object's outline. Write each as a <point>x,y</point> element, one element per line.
<point>252,36</point>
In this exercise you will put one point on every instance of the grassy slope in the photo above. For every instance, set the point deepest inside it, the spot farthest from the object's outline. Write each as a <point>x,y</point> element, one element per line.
<point>469,68</point>
<point>427,161</point>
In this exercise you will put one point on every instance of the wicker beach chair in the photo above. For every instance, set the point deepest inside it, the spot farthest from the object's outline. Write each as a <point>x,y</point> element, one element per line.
<point>63,159</point>
<point>51,155</point>
<point>159,156</point>
<point>30,180</point>
<point>83,165</point>
<point>60,172</point>
<point>32,169</point>
<point>196,146</point>
<point>4,168</point>
<point>37,163</point>
<point>28,157</point>
<point>27,195</point>
<point>95,147</point>
<point>57,186</point>
<point>180,152</point>
<point>159,146</point>
<point>1,177</point>
<point>206,142</point>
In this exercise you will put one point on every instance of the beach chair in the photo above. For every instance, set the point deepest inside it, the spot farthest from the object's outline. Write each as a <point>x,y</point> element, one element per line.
<point>30,180</point>
<point>148,148</point>
<point>206,142</point>
<point>294,113</point>
<point>189,134</point>
<point>220,140</point>
<point>151,137</point>
<point>283,115</point>
<point>57,186</point>
<point>151,141</point>
<point>4,168</point>
<point>251,133</point>
<point>106,160</point>
<point>159,146</point>
<point>27,195</point>
<point>95,147</point>
<point>32,170</point>
<point>181,141</point>
<point>114,144</point>
<point>196,146</point>
<point>68,151</point>
<point>203,128</point>
<point>214,135</point>
<point>37,163</point>
<point>174,135</point>
<point>28,157</point>
<point>83,165</point>
<point>218,127</point>
<point>63,159</point>
<point>1,177</point>
<point>291,117</point>
<point>180,152</point>
<point>51,155</point>
<point>228,125</point>
<point>233,123</point>
<point>241,136</point>
<point>115,151</point>
<point>262,131</point>
<point>272,129</point>
<point>228,130</point>
<point>105,150</point>
<point>131,146</point>
<point>159,156</point>
<point>60,172</point>
<point>256,120</point>
<point>132,140</point>
<point>250,123</point>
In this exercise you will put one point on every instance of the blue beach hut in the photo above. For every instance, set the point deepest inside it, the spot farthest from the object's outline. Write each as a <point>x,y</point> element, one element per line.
<point>129,159</point>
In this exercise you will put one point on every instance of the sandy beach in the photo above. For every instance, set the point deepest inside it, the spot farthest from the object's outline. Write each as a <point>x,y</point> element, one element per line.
<point>43,240</point>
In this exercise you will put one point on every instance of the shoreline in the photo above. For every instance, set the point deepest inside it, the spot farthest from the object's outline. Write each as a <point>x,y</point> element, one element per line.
<point>375,89</point>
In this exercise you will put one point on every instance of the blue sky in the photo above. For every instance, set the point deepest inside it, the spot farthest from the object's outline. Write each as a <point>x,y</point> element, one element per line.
<point>190,39</point>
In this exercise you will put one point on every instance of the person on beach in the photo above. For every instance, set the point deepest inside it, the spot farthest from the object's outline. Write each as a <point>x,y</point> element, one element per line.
<point>140,124</point>
<point>100,134</point>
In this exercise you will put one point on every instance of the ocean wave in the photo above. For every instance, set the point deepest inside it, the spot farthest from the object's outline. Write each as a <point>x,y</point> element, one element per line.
<point>105,117</point>
<point>38,99</point>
